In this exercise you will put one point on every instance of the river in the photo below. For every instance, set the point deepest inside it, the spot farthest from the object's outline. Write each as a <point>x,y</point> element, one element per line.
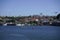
<point>29,33</point>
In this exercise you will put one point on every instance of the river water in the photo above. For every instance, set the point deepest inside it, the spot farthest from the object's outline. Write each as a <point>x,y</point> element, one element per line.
<point>29,33</point>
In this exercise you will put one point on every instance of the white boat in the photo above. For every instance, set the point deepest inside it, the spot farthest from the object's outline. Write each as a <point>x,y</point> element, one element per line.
<point>22,24</point>
<point>18,24</point>
<point>5,24</point>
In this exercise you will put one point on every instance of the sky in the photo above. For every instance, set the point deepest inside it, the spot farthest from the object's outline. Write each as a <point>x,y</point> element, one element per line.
<point>29,7</point>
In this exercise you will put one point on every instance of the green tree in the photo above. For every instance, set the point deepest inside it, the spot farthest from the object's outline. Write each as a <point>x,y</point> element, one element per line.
<point>58,17</point>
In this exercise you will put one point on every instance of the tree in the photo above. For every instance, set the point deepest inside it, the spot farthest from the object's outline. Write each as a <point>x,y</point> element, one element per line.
<point>11,21</point>
<point>32,22</point>
<point>58,16</point>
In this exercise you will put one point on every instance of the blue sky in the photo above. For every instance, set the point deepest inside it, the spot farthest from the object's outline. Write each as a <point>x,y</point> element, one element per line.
<point>29,7</point>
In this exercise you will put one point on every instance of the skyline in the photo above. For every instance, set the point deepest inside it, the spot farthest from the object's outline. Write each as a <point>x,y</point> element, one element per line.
<point>29,7</point>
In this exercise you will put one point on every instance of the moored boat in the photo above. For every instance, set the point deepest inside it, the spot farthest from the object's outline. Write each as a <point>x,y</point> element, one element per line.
<point>55,24</point>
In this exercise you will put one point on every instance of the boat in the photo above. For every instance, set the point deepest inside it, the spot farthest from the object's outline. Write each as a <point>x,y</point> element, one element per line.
<point>5,24</point>
<point>55,24</point>
<point>11,24</point>
<point>18,24</point>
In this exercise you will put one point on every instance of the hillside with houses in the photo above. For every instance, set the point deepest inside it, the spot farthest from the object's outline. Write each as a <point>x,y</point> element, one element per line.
<point>30,20</point>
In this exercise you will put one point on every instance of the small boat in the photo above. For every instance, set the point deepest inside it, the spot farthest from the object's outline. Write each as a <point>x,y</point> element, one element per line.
<point>18,24</point>
<point>55,24</point>
<point>22,24</point>
<point>11,24</point>
<point>5,24</point>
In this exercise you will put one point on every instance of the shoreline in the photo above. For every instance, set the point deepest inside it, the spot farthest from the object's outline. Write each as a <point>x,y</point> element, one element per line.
<point>53,24</point>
